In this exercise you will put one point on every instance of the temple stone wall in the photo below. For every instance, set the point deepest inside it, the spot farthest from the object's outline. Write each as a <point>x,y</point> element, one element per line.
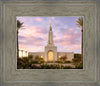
<point>40,54</point>
<point>50,48</point>
<point>69,55</point>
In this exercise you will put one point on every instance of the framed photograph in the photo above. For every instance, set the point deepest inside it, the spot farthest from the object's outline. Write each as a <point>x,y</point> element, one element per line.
<point>50,43</point>
<point>37,40</point>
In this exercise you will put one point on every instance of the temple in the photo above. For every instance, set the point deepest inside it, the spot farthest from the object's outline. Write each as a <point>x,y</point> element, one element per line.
<point>50,53</point>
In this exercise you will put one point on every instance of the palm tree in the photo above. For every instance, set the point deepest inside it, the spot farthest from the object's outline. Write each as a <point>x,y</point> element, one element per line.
<point>80,24</point>
<point>19,25</point>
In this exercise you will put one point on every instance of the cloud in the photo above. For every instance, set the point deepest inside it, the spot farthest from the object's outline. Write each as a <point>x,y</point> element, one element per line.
<point>35,35</point>
<point>74,48</point>
<point>69,39</point>
<point>26,20</point>
<point>36,41</point>
<point>33,31</point>
<point>21,37</point>
<point>70,29</point>
<point>32,43</point>
<point>39,19</point>
<point>30,48</point>
<point>32,36</point>
<point>53,18</point>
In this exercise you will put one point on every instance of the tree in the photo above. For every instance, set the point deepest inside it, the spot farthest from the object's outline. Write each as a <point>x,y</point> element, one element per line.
<point>77,55</point>
<point>37,57</point>
<point>19,25</point>
<point>30,57</point>
<point>76,61</point>
<point>80,24</point>
<point>40,60</point>
<point>63,58</point>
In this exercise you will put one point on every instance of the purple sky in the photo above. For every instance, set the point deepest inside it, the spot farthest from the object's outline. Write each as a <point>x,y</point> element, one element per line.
<point>34,35</point>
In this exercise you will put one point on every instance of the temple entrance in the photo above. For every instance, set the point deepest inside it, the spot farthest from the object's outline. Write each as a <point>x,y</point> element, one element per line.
<point>50,56</point>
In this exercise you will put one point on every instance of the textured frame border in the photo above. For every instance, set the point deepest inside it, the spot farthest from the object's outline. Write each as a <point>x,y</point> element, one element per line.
<point>8,18</point>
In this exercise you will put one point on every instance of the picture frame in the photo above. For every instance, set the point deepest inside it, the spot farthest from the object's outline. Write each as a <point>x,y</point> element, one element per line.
<point>90,73</point>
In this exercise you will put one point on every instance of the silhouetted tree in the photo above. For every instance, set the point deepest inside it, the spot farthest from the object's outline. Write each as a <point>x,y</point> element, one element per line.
<point>19,25</point>
<point>80,24</point>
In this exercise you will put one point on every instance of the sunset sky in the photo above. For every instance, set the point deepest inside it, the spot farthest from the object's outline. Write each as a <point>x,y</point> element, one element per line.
<point>34,35</point>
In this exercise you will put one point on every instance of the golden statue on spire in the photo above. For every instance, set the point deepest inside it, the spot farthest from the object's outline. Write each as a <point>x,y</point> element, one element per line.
<point>50,26</point>
<point>50,23</point>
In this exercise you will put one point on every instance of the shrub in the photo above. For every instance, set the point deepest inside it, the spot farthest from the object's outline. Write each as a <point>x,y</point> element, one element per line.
<point>67,61</point>
<point>24,63</point>
<point>79,66</point>
<point>62,59</point>
<point>30,56</point>
<point>34,62</point>
<point>57,61</point>
<point>52,66</point>
<point>77,55</point>
<point>35,67</point>
<point>40,60</point>
<point>37,57</point>
<point>76,61</point>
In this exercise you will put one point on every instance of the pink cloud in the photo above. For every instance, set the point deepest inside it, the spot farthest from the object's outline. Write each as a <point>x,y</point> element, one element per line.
<point>32,31</point>
<point>52,17</point>
<point>33,36</point>
<point>38,19</point>
<point>70,29</point>
<point>25,19</point>
<point>68,38</point>
<point>74,48</point>
<point>30,48</point>
<point>75,32</point>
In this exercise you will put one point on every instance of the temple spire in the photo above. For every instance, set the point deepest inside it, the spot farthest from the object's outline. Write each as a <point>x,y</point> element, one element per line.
<point>50,23</point>
<point>50,38</point>
<point>50,26</point>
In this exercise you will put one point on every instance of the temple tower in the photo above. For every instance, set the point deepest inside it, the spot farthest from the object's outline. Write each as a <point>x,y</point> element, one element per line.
<point>50,37</point>
<point>50,49</point>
